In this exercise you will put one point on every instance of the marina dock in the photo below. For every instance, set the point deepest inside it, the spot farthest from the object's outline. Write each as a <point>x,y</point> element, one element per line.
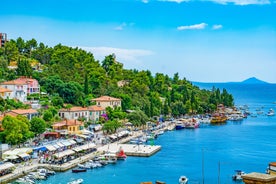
<point>132,149</point>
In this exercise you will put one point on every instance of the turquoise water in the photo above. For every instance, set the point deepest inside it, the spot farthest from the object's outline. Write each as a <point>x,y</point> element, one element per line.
<point>209,154</point>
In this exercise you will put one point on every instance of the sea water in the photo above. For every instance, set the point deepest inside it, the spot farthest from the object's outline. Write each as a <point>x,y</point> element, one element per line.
<point>209,154</point>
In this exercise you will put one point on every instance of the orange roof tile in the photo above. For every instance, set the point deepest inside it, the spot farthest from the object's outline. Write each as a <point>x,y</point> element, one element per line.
<point>3,90</point>
<point>95,108</point>
<point>11,114</point>
<point>70,122</point>
<point>106,99</point>
<point>24,111</point>
<point>13,82</point>
<point>74,109</point>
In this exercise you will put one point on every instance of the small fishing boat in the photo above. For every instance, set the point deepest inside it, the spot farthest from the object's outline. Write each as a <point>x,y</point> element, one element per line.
<point>121,155</point>
<point>78,170</point>
<point>77,181</point>
<point>238,175</point>
<point>183,180</point>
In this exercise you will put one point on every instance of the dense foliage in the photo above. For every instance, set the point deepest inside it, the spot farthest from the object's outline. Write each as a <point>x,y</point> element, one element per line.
<point>73,76</point>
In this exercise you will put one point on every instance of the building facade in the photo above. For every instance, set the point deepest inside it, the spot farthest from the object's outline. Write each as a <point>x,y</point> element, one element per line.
<point>3,39</point>
<point>107,101</point>
<point>18,88</point>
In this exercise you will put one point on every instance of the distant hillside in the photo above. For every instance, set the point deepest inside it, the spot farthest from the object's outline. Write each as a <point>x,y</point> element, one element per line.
<point>253,80</point>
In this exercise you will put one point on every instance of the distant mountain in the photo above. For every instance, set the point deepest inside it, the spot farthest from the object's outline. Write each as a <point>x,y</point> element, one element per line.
<point>253,80</point>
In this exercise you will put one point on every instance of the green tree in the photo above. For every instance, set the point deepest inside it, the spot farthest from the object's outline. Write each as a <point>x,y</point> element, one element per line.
<point>47,116</point>
<point>138,118</point>
<point>38,125</point>
<point>16,129</point>
<point>24,68</point>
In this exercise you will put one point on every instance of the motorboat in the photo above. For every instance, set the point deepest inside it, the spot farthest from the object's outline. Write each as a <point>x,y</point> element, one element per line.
<point>238,175</point>
<point>179,125</point>
<point>78,170</point>
<point>271,168</point>
<point>183,180</point>
<point>121,154</point>
<point>77,181</point>
<point>271,112</point>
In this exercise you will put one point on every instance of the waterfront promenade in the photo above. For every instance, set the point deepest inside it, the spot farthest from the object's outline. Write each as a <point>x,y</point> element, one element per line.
<point>130,150</point>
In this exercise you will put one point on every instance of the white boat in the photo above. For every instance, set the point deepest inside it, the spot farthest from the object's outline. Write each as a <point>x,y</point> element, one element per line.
<point>77,181</point>
<point>238,175</point>
<point>183,180</point>
<point>271,112</point>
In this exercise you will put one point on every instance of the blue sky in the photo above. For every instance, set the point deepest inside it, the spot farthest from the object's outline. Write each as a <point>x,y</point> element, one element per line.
<point>202,40</point>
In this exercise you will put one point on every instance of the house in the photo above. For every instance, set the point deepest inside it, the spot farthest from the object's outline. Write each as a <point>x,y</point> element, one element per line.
<point>21,87</point>
<point>29,113</point>
<point>95,112</point>
<point>32,84</point>
<point>71,126</point>
<point>5,93</point>
<point>74,113</point>
<point>107,101</point>
<point>18,88</point>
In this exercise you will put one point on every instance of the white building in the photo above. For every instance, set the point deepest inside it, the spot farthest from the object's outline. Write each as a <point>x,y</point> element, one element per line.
<point>18,89</point>
<point>107,101</point>
<point>5,93</point>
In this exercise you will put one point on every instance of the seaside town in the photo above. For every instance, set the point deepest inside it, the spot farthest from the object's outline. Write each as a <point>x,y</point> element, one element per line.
<point>51,124</point>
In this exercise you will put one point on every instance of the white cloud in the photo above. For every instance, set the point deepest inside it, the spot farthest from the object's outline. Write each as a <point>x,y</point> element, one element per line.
<point>145,1</point>
<point>121,54</point>
<point>195,26</point>
<point>123,25</point>
<point>217,26</point>
<point>242,2</point>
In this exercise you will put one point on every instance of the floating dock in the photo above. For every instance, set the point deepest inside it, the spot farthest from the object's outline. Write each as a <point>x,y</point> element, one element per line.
<point>132,149</point>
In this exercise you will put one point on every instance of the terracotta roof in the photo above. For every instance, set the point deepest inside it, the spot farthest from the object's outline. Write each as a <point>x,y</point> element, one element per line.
<point>3,90</point>
<point>20,81</point>
<point>95,108</point>
<point>70,122</point>
<point>74,109</point>
<point>26,79</point>
<point>11,114</point>
<point>14,82</point>
<point>24,111</point>
<point>106,99</point>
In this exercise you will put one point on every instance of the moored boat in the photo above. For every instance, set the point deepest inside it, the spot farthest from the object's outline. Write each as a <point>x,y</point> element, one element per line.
<point>179,125</point>
<point>121,154</point>
<point>77,181</point>
<point>183,180</point>
<point>238,175</point>
<point>271,168</point>
<point>78,170</point>
<point>218,118</point>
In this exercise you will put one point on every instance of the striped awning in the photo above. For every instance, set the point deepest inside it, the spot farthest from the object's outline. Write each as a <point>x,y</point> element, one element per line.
<point>64,153</point>
<point>66,143</point>
<point>72,141</point>
<point>50,147</point>
<point>6,165</point>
